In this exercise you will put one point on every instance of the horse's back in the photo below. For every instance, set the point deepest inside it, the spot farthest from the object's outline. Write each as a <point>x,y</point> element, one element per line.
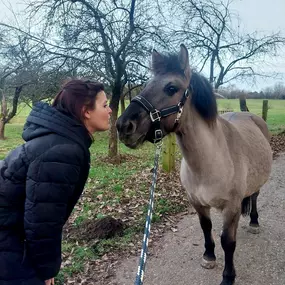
<point>243,118</point>
<point>248,141</point>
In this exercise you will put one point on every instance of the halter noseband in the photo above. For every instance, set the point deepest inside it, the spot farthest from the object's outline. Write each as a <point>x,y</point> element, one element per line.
<point>156,115</point>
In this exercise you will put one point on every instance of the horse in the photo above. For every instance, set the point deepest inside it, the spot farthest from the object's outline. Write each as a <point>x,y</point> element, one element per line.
<point>225,158</point>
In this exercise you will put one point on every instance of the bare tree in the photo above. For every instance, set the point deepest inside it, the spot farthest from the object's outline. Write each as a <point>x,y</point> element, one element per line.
<point>212,30</point>
<point>275,92</point>
<point>24,67</point>
<point>107,39</point>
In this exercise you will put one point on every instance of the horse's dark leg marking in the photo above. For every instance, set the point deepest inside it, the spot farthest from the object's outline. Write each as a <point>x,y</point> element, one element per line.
<point>254,225</point>
<point>253,213</point>
<point>209,257</point>
<point>228,240</point>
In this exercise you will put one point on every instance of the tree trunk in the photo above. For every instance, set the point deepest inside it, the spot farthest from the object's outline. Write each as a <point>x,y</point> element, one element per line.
<point>113,139</point>
<point>114,105</point>
<point>3,114</point>
<point>123,105</point>
<point>220,79</point>
<point>212,63</point>
<point>129,91</point>
<point>2,129</point>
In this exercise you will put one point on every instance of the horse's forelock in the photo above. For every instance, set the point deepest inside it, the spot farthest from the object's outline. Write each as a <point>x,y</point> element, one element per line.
<point>168,63</point>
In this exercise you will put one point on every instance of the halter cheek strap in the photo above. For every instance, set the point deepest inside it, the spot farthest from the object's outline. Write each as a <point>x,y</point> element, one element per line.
<point>156,115</point>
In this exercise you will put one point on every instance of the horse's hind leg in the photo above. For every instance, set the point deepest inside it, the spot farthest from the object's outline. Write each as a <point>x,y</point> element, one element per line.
<point>209,258</point>
<point>254,225</point>
<point>228,240</point>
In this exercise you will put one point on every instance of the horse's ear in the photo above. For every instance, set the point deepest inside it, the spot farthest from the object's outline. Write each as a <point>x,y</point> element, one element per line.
<point>157,60</point>
<point>183,57</point>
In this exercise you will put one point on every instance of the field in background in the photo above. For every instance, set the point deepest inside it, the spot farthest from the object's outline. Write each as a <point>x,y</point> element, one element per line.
<point>275,116</point>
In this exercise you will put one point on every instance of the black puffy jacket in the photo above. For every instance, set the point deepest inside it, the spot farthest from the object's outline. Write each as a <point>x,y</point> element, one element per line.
<point>40,183</point>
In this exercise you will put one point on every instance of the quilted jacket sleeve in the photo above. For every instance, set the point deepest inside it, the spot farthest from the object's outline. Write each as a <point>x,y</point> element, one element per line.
<point>50,188</point>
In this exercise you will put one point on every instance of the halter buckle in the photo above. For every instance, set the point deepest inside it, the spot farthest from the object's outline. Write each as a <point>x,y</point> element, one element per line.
<point>158,135</point>
<point>155,115</point>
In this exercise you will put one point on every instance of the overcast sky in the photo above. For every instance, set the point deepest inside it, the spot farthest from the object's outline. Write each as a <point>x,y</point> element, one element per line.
<point>267,16</point>
<point>256,15</point>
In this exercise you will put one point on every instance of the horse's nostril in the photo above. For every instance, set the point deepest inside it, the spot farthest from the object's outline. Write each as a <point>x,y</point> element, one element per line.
<point>126,128</point>
<point>130,128</point>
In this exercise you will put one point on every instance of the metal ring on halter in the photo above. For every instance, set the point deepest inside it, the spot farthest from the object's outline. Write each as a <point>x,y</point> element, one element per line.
<point>155,115</point>
<point>158,135</point>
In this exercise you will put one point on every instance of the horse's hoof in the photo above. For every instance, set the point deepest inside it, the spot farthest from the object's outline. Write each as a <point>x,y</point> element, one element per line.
<point>227,282</point>
<point>208,264</point>
<point>253,229</point>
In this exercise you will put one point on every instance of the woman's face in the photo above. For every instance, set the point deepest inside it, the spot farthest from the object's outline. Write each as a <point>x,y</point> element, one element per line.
<point>98,119</point>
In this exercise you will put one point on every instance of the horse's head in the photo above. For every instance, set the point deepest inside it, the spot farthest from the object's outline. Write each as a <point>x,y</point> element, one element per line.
<point>155,112</point>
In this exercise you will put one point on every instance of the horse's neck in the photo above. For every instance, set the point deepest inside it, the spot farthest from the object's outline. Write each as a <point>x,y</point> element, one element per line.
<point>201,144</point>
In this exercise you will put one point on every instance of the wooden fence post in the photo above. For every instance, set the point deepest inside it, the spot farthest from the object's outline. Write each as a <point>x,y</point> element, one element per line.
<point>168,154</point>
<point>264,110</point>
<point>242,103</point>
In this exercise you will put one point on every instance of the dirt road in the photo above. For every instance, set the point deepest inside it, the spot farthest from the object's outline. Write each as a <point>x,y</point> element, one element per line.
<point>259,259</point>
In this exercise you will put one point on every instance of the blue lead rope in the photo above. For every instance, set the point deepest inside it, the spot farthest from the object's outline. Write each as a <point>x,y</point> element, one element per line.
<point>142,262</point>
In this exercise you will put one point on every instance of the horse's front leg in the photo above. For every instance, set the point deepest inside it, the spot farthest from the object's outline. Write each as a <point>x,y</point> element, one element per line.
<point>209,258</point>
<point>228,240</point>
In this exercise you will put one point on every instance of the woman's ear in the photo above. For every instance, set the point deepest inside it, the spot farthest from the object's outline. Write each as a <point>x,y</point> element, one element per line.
<point>85,113</point>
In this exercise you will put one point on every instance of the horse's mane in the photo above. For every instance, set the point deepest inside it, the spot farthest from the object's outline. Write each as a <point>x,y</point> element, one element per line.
<point>203,97</point>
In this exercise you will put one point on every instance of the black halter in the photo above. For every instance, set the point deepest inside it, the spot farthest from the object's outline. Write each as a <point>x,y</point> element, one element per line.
<point>156,115</point>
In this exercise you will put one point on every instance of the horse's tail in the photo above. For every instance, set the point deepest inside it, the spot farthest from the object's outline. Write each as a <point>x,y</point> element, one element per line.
<point>246,206</point>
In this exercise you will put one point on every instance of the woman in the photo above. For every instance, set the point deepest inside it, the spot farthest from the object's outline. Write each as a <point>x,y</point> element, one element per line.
<point>41,181</point>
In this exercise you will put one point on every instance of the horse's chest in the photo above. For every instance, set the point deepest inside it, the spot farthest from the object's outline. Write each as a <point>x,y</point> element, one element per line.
<point>202,192</point>
<point>209,196</point>
<point>206,196</point>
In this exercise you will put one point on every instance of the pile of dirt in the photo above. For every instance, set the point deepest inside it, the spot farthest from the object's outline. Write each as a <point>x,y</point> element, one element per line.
<point>104,228</point>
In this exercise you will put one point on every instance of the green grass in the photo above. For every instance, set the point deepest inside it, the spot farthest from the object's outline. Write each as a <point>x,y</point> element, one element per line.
<point>275,116</point>
<point>102,174</point>
<point>77,258</point>
<point>13,134</point>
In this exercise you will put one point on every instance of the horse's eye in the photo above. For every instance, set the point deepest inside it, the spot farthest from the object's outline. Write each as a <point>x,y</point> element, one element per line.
<point>171,90</point>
